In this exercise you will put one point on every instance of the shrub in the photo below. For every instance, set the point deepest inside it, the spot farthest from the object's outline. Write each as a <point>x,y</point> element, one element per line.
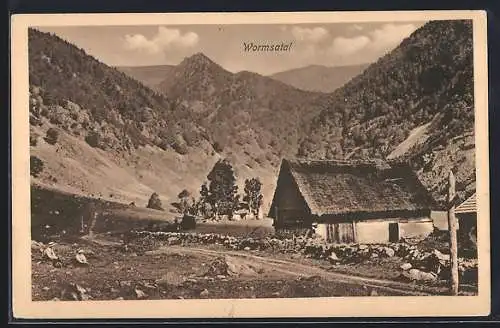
<point>93,139</point>
<point>36,166</point>
<point>180,148</point>
<point>217,147</point>
<point>52,136</point>
<point>33,140</point>
<point>155,202</point>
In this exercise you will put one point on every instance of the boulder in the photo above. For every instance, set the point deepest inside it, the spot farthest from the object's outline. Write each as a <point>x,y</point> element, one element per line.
<point>406,266</point>
<point>417,275</point>
<point>389,252</point>
<point>204,293</point>
<point>333,258</point>
<point>81,259</point>
<point>140,294</point>
<point>50,254</point>
<point>441,257</point>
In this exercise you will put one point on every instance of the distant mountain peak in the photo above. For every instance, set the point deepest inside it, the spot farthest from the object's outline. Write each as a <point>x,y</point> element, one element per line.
<point>197,58</point>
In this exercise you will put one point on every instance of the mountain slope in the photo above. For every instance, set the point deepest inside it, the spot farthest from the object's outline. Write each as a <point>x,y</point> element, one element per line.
<point>253,120</point>
<point>319,78</point>
<point>230,106</point>
<point>427,77</point>
<point>116,136</point>
<point>150,76</point>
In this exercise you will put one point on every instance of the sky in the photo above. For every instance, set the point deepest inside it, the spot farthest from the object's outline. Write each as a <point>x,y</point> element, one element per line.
<point>336,44</point>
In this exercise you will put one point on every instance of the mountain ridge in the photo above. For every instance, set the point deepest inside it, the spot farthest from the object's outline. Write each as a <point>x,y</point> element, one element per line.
<point>319,78</point>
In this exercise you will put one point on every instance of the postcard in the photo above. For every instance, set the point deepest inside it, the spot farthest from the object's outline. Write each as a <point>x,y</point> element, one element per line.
<point>250,165</point>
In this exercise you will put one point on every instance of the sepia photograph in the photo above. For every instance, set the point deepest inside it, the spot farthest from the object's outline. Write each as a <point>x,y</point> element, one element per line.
<point>308,161</point>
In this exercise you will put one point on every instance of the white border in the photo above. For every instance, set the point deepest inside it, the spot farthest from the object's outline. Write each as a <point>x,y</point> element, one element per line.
<point>23,307</point>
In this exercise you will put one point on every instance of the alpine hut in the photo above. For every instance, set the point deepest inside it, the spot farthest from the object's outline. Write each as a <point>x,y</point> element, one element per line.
<point>351,201</point>
<point>466,214</point>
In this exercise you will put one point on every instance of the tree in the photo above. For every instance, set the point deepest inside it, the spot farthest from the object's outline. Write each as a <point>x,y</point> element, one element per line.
<point>155,202</point>
<point>52,136</point>
<point>93,139</point>
<point>183,206</point>
<point>253,195</point>
<point>203,205</point>
<point>222,189</point>
<point>36,166</point>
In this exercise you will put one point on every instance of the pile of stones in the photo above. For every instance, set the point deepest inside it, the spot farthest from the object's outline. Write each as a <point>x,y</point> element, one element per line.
<point>418,264</point>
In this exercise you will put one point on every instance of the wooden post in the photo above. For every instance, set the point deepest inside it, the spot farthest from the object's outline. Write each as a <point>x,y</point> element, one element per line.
<point>354,232</point>
<point>452,229</point>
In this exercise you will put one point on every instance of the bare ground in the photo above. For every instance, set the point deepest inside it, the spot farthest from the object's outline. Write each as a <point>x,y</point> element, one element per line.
<point>176,272</point>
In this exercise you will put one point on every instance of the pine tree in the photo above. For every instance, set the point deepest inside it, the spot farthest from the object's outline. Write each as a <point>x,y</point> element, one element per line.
<point>253,195</point>
<point>222,191</point>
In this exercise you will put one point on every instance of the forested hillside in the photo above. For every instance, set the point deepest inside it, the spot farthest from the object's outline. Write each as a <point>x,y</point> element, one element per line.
<point>429,76</point>
<point>240,109</point>
<point>119,111</point>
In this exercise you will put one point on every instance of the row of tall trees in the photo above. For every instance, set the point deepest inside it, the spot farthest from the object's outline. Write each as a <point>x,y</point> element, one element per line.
<point>219,195</point>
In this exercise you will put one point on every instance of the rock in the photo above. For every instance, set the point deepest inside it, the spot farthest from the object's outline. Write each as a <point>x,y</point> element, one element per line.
<point>221,276</point>
<point>74,292</point>
<point>36,246</point>
<point>442,257</point>
<point>417,275</point>
<point>246,248</point>
<point>125,283</point>
<point>173,240</point>
<point>204,293</point>
<point>87,252</point>
<point>56,299</point>
<point>333,258</point>
<point>362,247</point>
<point>50,254</point>
<point>389,252</point>
<point>119,299</point>
<point>140,294</point>
<point>46,288</point>
<point>149,286</point>
<point>406,266</point>
<point>374,255</point>
<point>81,259</point>
<point>276,294</point>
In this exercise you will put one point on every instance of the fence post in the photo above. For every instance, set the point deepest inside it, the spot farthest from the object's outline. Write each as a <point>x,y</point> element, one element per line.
<point>452,229</point>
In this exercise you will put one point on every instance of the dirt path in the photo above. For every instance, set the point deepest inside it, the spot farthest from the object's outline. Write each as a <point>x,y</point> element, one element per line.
<point>296,269</point>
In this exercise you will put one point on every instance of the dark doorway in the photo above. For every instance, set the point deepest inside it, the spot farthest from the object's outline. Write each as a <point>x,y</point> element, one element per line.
<point>393,232</point>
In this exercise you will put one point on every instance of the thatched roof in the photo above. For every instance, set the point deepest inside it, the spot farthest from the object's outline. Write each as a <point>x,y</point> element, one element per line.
<point>336,187</point>
<point>468,206</point>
